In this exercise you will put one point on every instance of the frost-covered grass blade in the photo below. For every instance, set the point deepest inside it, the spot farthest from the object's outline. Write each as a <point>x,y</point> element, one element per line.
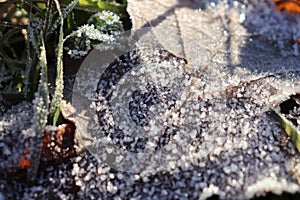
<point>59,84</point>
<point>65,12</point>
<point>39,120</point>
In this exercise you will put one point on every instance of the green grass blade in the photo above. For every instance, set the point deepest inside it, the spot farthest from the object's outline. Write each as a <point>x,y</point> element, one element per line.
<point>289,128</point>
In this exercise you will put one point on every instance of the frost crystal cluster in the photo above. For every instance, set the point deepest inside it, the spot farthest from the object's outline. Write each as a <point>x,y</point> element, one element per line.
<point>100,32</point>
<point>15,129</point>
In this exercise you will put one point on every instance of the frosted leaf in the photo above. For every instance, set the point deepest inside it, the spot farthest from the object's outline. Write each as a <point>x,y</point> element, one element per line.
<point>217,116</point>
<point>233,91</point>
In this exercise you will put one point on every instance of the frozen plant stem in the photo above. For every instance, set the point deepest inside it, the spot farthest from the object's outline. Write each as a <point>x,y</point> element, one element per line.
<point>59,83</point>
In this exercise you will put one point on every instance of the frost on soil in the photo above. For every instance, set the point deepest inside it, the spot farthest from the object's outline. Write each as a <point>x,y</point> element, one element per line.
<point>247,65</point>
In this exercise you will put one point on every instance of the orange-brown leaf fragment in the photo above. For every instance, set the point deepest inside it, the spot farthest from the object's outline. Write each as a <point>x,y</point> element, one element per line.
<point>292,6</point>
<point>25,162</point>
